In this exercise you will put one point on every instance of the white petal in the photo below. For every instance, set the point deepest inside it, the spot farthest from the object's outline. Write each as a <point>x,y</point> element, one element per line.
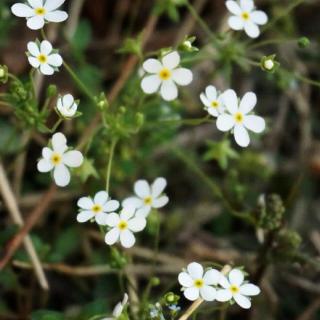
<point>233,7</point>
<point>182,76</point>
<point>111,205</point>
<point>191,294</point>
<point>101,197</point>
<point>249,289</point>
<point>73,158</point>
<point>212,277</point>
<point>185,280</point>
<point>59,142</point>
<point>225,122</point>
<point>56,16</point>
<point>55,60</point>
<point>33,48</point>
<point>127,239</point>
<point>117,310</point>
<point>224,295</point>
<point>251,29</point>
<point>52,5</point>
<point>150,84</point>
<point>45,47</point>
<point>158,186</point>
<point>36,3</point>
<point>254,123</point>
<point>112,219</point>
<point>242,301</point>
<point>127,213</point>
<point>208,293</point>
<point>22,10</point>
<point>132,202</point>
<point>137,224</point>
<point>213,111</point>
<point>61,175</point>
<point>205,100</point>
<point>44,165</point>
<point>142,188</point>
<point>112,236</point>
<point>248,102</point>
<point>211,93</point>
<point>259,17</point>
<point>235,23</point>
<point>85,203</point>
<point>160,202</point>
<point>152,66</point>
<point>169,90</point>
<point>171,60</point>
<point>236,277</point>
<point>195,270</point>
<point>85,216</point>
<point>34,62</point>
<point>35,23</point>
<point>46,69</point>
<point>247,5</point>
<point>101,218</point>
<point>46,153</point>
<point>241,136</point>
<point>230,100</point>
<point>143,211</point>
<point>67,100</point>
<point>224,282</point>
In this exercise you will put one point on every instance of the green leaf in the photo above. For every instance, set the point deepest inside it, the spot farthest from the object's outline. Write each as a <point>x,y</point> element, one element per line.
<point>82,36</point>
<point>47,315</point>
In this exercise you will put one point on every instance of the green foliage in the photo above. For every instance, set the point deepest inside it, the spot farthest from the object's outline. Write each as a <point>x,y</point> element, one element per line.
<point>47,315</point>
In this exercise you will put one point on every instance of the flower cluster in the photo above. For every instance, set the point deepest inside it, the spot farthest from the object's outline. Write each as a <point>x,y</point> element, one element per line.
<point>213,285</point>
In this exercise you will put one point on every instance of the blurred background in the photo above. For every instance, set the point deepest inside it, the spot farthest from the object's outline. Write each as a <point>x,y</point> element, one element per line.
<point>256,207</point>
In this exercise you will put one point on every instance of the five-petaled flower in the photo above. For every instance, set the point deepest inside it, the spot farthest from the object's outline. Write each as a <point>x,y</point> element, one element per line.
<point>41,56</point>
<point>37,12</point>
<point>212,101</point>
<point>197,283</point>
<point>59,159</point>
<point>239,118</point>
<point>123,226</point>
<point>98,208</point>
<point>235,288</point>
<point>118,309</point>
<point>166,75</point>
<point>245,17</point>
<point>66,106</point>
<point>147,196</point>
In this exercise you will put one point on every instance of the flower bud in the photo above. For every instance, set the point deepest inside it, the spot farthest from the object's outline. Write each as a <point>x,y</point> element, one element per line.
<point>303,42</point>
<point>3,74</point>
<point>52,91</point>
<point>269,64</point>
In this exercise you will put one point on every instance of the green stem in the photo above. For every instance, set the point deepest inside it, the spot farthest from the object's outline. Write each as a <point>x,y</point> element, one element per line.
<point>56,125</point>
<point>270,41</point>
<point>111,154</point>
<point>80,84</point>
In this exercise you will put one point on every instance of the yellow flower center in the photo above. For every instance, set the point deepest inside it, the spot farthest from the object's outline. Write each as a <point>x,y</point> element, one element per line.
<point>147,201</point>
<point>40,11</point>
<point>42,58</point>
<point>238,117</point>
<point>215,104</point>
<point>165,74</point>
<point>234,289</point>
<point>122,225</point>
<point>96,208</point>
<point>198,283</point>
<point>245,16</point>
<point>56,159</point>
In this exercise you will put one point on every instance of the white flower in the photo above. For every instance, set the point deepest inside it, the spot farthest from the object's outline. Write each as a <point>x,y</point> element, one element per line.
<point>239,120</point>
<point>165,74</point>
<point>147,196</point>
<point>195,283</point>
<point>66,106</point>
<point>123,226</point>
<point>234,287</point>
<point>41,57</point>
<point>117,311</point>
<point>58,159</point>
<point>98,208</point>
<point>37,12</point>
<point>213,101</point>
<point>246,17</point>
<point>268,64</point>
